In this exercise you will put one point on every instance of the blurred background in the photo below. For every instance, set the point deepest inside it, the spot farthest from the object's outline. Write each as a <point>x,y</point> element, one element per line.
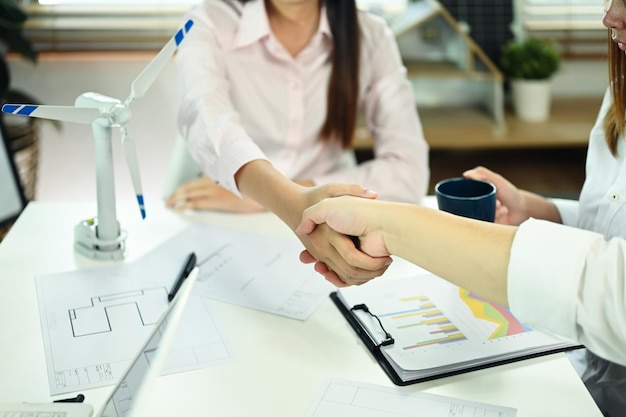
<point>452,49</point>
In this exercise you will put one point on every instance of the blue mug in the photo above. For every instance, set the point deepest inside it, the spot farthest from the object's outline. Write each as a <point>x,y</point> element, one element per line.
<point>466,197</point>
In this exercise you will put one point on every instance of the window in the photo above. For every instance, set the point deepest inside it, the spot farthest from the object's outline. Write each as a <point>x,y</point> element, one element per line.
<point>73,25</point>
<point>394,4</point>
<point>109,2</point>
<point>562,14</point>
<point>575,24</point>
<point>147,24</point>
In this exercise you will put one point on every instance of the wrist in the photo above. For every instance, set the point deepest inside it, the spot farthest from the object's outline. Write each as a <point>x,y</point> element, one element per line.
<point>396,230</point>
<point>540,207</point>
<point>261,182</point>
<point>289,203</point>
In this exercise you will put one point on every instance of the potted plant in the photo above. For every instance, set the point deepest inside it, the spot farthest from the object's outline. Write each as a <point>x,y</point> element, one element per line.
<point>530,64</point>
<point>22,132</point>
<point>12,39</point>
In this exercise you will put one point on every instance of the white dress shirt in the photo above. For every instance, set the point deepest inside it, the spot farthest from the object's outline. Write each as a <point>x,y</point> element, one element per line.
<point>570,279</point>
<point>244,97</point>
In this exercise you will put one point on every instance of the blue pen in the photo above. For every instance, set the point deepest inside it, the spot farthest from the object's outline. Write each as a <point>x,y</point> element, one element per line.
<point>188,266</point>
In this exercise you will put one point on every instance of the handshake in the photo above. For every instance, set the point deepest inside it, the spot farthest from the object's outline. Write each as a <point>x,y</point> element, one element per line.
<point>357,234</point>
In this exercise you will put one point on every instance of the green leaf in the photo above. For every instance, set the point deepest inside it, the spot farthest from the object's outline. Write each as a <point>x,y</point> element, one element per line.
<point>12,19</point>
<point>532,59</point>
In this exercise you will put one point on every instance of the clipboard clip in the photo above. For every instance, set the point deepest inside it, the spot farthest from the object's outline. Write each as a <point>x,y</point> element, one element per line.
<point>387,341</point>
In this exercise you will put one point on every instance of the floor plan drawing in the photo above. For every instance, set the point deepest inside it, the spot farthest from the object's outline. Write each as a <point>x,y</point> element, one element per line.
<point>94,320</point>
<point>111,310</point>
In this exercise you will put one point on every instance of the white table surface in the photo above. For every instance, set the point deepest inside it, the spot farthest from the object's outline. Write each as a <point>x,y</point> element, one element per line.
<point>280,363</point>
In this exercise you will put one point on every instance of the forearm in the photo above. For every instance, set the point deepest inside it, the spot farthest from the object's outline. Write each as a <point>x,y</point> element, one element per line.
<point>260,181</point>
<point>472,254</point>
<point>305,183</point>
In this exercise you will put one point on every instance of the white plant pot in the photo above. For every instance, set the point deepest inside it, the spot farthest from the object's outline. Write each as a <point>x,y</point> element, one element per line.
<point>531,99</point>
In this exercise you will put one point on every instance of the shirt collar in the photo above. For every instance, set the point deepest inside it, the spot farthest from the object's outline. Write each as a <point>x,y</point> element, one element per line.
<point>254,24</point>
<point>324,28</point>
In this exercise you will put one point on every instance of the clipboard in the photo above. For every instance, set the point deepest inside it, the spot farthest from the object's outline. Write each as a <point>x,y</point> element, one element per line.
<point>381,339</point>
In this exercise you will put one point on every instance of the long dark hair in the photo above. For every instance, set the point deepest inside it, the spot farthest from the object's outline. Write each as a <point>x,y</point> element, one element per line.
<point>343,87</point>
<point>614,119</point>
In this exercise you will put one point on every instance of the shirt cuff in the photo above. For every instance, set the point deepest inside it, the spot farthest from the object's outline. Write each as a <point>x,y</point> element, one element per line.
<point>568,210</point>
<point>544,275</point>
<point>232,155</point>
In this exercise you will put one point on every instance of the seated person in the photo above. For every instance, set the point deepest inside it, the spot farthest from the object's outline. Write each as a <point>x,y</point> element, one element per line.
<point>285,82</point>
<point>187,188</point>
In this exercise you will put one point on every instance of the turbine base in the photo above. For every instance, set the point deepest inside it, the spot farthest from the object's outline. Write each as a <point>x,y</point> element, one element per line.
<point>88,244</point>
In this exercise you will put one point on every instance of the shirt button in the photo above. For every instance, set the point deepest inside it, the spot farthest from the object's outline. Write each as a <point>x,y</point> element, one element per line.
<point>615,197</point>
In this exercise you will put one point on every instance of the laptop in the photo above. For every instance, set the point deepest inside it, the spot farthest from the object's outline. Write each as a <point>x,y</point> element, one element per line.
<point>133,387</point>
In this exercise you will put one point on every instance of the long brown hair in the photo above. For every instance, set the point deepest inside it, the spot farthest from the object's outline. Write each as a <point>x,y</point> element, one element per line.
<point>614,118</point>
<point>343,87</point>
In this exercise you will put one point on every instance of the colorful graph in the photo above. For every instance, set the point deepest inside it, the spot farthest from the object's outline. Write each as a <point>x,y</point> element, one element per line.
<point>433,325</point>
<point>507,324</point>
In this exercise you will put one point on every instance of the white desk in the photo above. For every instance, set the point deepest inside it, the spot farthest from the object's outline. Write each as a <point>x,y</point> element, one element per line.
<point>280,363</point>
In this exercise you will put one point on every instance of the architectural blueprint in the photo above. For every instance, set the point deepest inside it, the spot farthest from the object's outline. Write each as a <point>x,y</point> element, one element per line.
<point>94,320</point>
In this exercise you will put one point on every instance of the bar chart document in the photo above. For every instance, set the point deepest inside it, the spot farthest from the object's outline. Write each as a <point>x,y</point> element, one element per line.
<point>422,327</point>
<point>356,399</point>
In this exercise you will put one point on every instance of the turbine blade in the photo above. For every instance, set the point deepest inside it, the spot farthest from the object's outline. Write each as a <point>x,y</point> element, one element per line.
<point>62,113</point>
<point>143,82</point>
<point>133,168</point>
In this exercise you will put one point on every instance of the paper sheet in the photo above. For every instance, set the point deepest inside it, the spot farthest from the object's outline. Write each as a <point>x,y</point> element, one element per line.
<point>93,320</point>
<point>244,268</point>
<point>356,399</point>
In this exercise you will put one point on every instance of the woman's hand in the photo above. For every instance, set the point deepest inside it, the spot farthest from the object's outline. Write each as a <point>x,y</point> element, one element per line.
<point>334,253</point>
<point>204,194</point>
<point>510,205</point>
<point>349,216</point>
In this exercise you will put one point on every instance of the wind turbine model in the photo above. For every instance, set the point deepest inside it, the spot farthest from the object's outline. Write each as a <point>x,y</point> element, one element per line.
<point>101,237</point>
